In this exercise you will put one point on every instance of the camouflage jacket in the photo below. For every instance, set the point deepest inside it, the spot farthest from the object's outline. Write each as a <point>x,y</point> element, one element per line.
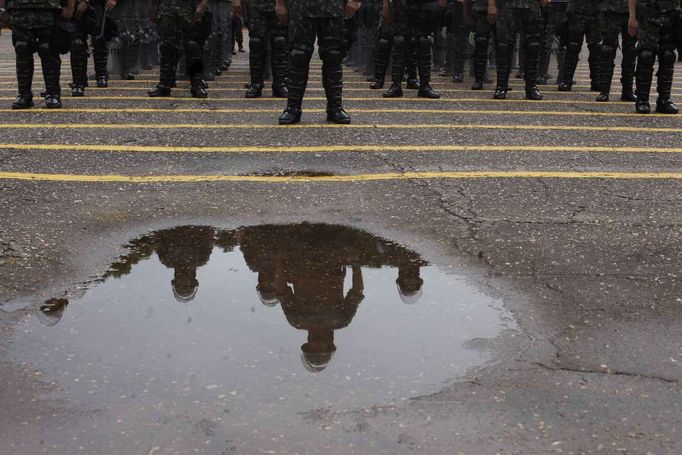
<point>613,6</point>
<point>34,4</point>
<point>662,6</point>
<point>479,6</point>
<point>316,8</point>
<point>261,5</point>
<point>527,4</point>
<point>587,7</point>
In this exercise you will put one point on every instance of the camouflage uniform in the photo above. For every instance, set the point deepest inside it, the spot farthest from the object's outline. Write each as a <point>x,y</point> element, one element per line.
<point>614,17</point>
<point>483,31</point>
<point>310,19</point>
<point>33,23</point>
<point>176,23</point>
<point>658,20</point>
<point>89,24</point>
<point>583,20</point>
<point>518,16</point>
<point>263,27</point>
<point>415,23</point>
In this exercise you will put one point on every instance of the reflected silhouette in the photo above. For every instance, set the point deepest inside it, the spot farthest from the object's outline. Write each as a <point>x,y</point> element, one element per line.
<point>52,311</point>
<point>304,268</point>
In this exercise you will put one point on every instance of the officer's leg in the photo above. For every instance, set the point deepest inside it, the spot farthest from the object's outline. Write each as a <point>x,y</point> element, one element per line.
<point>302,34</point>
<point>576,33</point>
<point>424,23</point>
<point>23,48</point>
<point>629,61</point>
<point>593,36</point>
<point>168,50</point>
<point>482,32</point>
<point>278,57</point>
<point>399,52</point>
<point>257,52</point>
<point>608,55</point>
<point>459,43</point>
<point>100,51</point>
<point>51,63</point>
<point>646,56</point>
<point>546,39</point>
<point>331,52</point>
<point>383,54</point>
<point>79,63</point>
<point>666,69</point>
<point>532,30</point>
<point>506,35</point>
<point>193,58</point>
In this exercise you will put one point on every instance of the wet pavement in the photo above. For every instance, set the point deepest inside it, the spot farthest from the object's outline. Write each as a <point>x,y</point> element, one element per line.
<point>456,276</point>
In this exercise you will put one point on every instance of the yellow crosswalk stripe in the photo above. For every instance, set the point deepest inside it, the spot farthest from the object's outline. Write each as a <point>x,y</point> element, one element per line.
<point>338,178</point>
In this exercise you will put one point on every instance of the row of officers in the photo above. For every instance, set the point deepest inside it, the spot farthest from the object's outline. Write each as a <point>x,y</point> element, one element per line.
<point>287,30</point>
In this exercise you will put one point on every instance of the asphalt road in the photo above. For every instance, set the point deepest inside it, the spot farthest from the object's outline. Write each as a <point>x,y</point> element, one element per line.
<point>568,210</point>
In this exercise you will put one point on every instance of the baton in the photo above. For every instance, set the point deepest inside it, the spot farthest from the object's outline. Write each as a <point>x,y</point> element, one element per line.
<point>104,23</point>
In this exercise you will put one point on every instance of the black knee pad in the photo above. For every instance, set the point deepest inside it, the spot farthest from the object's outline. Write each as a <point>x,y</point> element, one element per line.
<point>44,50</point>
<point>299,57</point>
<point>279,43</point>
<point>533,46</point>
<point>23,49</point>
<point>424,43</point>
<point>78,46</point>
<point>257,45</point>
<point>504,48</point>
<point>608,49</point>
<point>383,44</point>
<point>167,48</point>
<point>399,42</point>
<point>574,47</point>
<point>646,57</point>
<point>193,50</point>
<point>333,57</point>
<point>667,57</point>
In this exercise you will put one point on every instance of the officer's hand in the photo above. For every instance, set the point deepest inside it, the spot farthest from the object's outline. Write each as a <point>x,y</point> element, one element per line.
<point>201,9</point>
<point>81,9</point>
<point>387,17</point>
<point>67,13</point>
<point>109,5</point>
<point>237,7</point>
<point>633,26</point>
<point>492,13</point>
<point>282,13</point>
<point>352,7</point>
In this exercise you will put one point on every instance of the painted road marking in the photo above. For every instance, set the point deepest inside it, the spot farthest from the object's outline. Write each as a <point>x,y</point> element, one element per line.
<point>331,148</point>
<point>340,178</point>
<point>249,126</point>
<point>126,110</point>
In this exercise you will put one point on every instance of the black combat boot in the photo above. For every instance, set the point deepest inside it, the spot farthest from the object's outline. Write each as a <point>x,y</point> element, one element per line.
<point>424,46</point>
<point>503,58</point>
<point>644,76</point>
<point>532,49</point>
<point>100,59</point>
<point>278,61</point>
<point>51,63</point>
<point>256,66</point>
<point>394,91</point>
<point>79,67</point>
<point>24,65</point>
<point>383,54</point>
<point>297,83</point>
<point>532,92</point>
<point>666,68</point>
<point>332,75</point>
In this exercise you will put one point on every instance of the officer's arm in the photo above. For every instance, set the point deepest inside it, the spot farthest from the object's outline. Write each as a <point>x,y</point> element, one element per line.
<point>492,11</point>
<point>282,11</point>
<point>632,23</point>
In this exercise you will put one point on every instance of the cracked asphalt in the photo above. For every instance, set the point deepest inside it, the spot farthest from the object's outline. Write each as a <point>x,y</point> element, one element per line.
<point>578,231</point>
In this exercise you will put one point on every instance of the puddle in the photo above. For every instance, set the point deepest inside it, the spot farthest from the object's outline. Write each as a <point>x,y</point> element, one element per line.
<point>259,323</point>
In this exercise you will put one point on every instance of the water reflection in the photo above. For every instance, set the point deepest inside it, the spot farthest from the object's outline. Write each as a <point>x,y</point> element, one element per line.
<point>301,267</point>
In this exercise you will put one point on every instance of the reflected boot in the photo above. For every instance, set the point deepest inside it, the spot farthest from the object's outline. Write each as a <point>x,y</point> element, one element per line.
<point>279,66</point>
<point>666,68</point>
<point>381,63</point>
<point>24,76</point>
<point>100,60</point>
<point>256,67</point>
<point>504,58</point>
<point>333,86</point>
<point>424,63</point>
<point>644,76</point>
<point>594,61</point>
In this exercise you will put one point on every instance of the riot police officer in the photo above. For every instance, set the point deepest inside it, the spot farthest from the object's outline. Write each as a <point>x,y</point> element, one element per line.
<point>517,16</point>
<point>615,20</point>
<point>654,23</point>
<point>180,20</point>
<point>307,20</point>
<point>583,23</point>
<point>415,22</point>
<point>264,26</point>
<point>33,24</point>
<point>91,21</point>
